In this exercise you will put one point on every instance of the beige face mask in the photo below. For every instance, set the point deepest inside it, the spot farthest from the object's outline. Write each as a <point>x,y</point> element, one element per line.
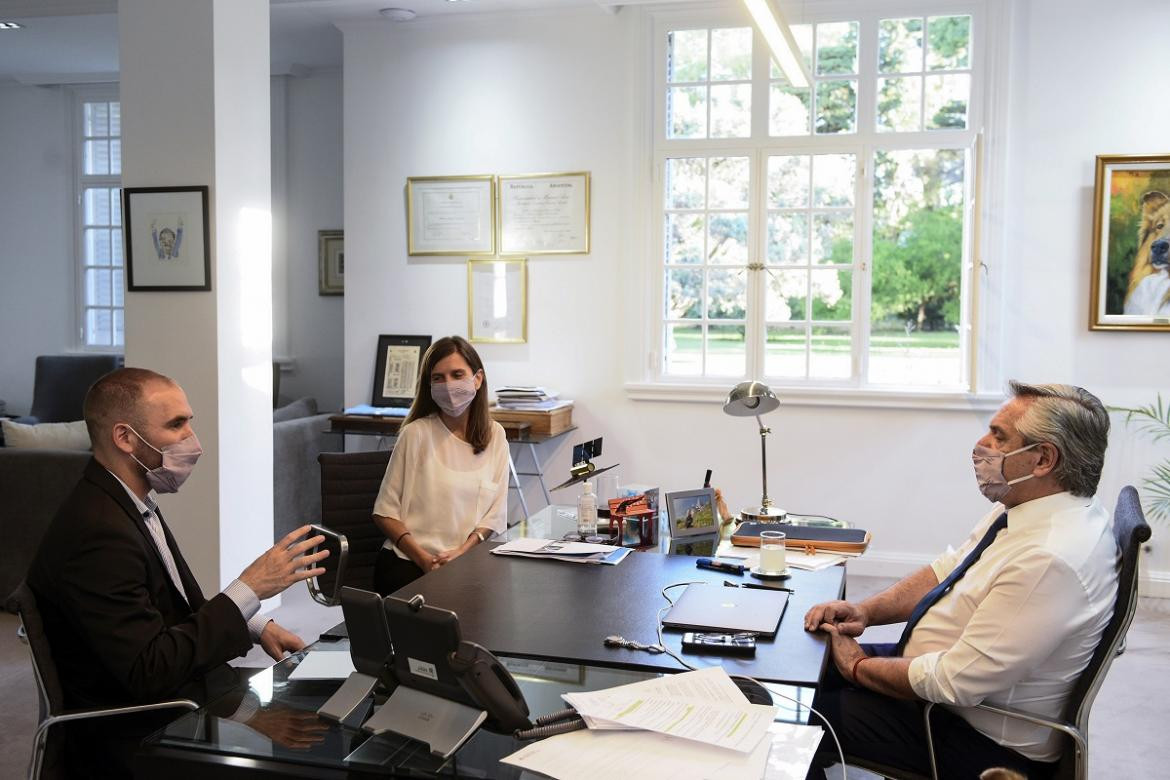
<point>989,471</point>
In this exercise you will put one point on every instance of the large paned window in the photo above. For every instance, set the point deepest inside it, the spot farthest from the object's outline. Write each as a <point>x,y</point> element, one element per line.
<point>99,219</point>
<point>817,236</point>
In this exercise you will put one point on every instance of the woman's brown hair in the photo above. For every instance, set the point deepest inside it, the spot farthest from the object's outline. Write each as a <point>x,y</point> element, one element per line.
<point>479,422</point>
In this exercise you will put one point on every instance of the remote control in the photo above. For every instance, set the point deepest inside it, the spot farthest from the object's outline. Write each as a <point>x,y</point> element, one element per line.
<point>720,644</point>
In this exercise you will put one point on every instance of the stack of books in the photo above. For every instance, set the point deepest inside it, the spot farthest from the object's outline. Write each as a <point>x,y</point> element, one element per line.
<point>529,399</point>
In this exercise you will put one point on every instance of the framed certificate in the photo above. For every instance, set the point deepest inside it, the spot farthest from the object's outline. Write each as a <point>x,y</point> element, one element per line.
<point>396,368</point>
<point>450,215</point>
<point>497,300</point>
<point>544,214</point>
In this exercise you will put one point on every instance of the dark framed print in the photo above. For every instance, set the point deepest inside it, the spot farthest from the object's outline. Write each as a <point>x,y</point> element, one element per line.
<point>691,512</point>
<point>330,262</point>
<point>396,368</point>
<point>1131,243</point>
<point>167,238</point>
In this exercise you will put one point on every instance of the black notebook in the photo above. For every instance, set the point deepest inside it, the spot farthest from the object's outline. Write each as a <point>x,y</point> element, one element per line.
<point>718,608</point>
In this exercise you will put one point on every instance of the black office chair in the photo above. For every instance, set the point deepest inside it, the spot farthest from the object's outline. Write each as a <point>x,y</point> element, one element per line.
<point>1131,531</point>
<point>47,756</point>
<point>349,487</point>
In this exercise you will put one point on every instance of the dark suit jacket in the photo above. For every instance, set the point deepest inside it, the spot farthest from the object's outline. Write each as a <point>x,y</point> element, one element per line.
<point>121,633</point>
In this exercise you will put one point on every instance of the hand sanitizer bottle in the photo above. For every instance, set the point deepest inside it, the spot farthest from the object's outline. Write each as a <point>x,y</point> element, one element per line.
<point>587,511</point>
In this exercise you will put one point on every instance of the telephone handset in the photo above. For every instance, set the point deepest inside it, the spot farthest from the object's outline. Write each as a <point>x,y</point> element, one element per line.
<point>491,687</point>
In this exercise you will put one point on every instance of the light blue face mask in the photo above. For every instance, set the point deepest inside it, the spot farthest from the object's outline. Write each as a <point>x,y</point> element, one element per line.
<point>989,471</point>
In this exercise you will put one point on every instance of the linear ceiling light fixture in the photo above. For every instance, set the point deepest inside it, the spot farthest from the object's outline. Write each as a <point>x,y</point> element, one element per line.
<point>11,26</point>
<point>771,24</point>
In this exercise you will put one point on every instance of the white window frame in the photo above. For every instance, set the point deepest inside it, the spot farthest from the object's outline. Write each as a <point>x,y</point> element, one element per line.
<point>82,94</point>
<point>979,343</point>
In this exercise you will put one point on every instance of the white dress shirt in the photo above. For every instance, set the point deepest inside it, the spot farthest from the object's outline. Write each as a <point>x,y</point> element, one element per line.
<point>241,595</point>
<point>1021,625</point>
<point>440,489</point>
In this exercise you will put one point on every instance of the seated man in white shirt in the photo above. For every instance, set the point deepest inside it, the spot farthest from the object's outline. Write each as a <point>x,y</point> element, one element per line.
<point>1011,618</point>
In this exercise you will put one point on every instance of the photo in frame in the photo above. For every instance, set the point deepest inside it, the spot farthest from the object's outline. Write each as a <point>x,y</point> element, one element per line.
<point>167,238</point>
<point>451,215</point>
<point>396,368</point>
<point>691,512</point>
<point>1130,287</point>
<point>544,214</point>
<point>497,301</point>
<point>330,262</point>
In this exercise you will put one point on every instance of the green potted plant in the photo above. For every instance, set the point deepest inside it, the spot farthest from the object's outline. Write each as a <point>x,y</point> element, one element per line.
<point>1154,421</point>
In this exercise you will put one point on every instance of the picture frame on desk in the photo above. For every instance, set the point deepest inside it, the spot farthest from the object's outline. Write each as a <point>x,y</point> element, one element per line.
<point>451,215</point>
<point>396,366</point>
<point>691,512</point>
<point>167,239</point>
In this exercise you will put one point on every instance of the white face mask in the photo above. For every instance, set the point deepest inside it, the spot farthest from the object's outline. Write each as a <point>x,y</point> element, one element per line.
<point>989,471</point>
<point>454,396</point>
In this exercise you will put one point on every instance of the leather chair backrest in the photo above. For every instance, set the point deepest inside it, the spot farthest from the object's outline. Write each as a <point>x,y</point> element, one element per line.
<point>63,380</point>
<point>1130,531</point>
<point>45,671</point>
<point>349,487</point>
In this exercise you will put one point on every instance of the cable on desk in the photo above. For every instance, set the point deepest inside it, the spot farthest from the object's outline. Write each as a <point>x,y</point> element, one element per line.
<point>797,702</point>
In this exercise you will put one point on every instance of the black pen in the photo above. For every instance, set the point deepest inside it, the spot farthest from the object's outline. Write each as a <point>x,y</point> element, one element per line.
<point>730,568</point>
<point>731,584</point>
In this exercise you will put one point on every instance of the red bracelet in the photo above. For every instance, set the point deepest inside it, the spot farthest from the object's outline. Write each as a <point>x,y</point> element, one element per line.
<point>853,671</point>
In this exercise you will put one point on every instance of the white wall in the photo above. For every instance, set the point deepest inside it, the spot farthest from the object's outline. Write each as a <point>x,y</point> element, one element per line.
<point>37,271</point>
<point>1066,109</point>
<point>309,325</point>
<point>557,91</point>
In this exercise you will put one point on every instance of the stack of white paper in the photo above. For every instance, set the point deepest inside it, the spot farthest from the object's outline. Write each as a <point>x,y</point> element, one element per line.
<point>532,398</point>
<point>573,552</point>
<point>692,725</point>
<point>796,559</point>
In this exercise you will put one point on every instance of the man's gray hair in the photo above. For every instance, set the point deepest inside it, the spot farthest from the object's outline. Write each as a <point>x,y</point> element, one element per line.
<point>1075,422</point>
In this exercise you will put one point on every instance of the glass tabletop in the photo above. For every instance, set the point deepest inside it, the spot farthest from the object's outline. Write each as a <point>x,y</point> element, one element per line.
<point>275,720</point>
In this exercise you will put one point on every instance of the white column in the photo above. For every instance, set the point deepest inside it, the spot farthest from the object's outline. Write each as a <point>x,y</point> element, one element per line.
<point>195,111</point>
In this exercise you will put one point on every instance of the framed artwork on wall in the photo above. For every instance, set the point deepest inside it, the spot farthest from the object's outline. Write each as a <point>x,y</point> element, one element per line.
<point>1130,288</point>
<point>544,214</point>
<point>330,262</point>
<point>167,238</point>
<point>396,366</point>
<point>497,301</point>
<point>451,215</point>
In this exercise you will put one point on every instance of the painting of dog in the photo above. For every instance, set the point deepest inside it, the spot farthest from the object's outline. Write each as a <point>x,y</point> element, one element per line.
<point>1130,283</point>
<point>1149,280</point>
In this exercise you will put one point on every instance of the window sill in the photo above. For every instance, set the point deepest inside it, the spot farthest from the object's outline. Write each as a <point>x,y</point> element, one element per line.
<point>809,396</point>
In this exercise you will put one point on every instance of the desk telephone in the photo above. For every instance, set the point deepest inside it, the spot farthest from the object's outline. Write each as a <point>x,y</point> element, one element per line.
<point>429,655</point>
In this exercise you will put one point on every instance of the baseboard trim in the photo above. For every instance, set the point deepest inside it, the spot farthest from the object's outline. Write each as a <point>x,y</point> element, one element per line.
<point>1152,584</point>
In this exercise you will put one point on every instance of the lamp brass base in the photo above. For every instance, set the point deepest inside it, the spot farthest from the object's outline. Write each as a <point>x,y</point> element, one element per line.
<point>763,514</point>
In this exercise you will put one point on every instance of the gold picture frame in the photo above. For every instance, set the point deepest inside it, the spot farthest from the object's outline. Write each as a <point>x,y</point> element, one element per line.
<point>330,262</point>
<point>544,213</point>
<point>451,215</point>
<point>1130,283</point>
<point>497,300</point>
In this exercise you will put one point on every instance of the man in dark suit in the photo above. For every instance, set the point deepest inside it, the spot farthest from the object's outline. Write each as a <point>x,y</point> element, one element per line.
<point>125,616</point>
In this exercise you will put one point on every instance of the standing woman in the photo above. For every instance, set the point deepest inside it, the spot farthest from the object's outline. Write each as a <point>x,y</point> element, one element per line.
<point>446,486</point>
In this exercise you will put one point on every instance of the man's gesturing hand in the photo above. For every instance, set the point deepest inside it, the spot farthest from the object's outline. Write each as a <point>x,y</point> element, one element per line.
<point>284,564</point>
<point>849,618</point>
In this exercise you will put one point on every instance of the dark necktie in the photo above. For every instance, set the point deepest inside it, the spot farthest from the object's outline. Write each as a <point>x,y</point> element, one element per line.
<point>943,587</point>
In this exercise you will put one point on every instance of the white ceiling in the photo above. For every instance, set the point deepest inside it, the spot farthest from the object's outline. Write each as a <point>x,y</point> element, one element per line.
<point>77,40</point>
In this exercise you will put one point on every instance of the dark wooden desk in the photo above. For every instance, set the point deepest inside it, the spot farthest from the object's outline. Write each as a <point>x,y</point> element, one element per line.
<point>551,610</point>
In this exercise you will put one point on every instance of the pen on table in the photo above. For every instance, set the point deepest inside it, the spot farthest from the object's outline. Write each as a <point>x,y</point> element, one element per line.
<point>730,584</point>
<point>730,568</point>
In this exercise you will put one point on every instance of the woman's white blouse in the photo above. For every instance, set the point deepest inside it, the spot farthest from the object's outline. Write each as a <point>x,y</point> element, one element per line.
<point>440,489</point>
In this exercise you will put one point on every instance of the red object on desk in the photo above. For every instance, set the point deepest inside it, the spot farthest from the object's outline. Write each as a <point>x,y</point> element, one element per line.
<point>635,509</point>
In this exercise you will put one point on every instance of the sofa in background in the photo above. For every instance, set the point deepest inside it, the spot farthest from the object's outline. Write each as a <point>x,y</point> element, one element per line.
<point>299,435</point>
<point>61,382</point>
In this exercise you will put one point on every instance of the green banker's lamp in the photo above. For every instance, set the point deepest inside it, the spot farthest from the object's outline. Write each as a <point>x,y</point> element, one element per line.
<point>751,399</point>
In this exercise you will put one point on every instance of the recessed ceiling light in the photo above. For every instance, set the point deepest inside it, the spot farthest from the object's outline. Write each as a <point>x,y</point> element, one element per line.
<point>11,26</point>
<point>397,14</point>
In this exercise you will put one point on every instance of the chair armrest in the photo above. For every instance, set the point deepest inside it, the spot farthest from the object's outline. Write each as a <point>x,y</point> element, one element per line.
<point>103,712</point>
<point>1007,712</point>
